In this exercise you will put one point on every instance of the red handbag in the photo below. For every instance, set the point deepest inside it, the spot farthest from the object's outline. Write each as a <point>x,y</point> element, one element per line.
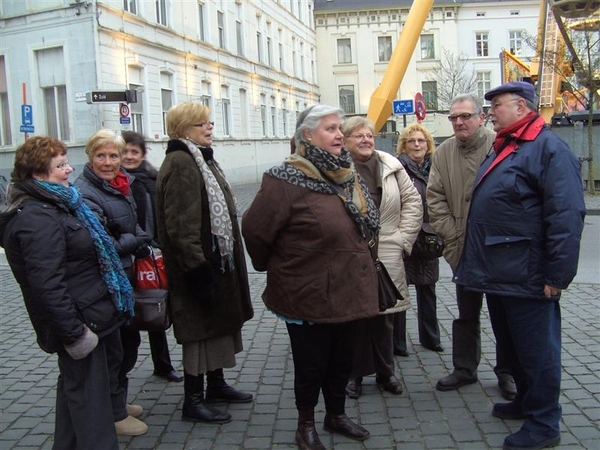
<point>150,271</point>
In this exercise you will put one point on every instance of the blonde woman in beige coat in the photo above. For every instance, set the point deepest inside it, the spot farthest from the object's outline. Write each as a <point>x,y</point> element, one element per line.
<point>401,213</point>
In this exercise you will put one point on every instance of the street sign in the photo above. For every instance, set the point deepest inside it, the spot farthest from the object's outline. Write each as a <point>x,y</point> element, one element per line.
<point>124,120</point>
<point>421,108</point>
<point>124,110</point>
<point>403,107</point>
<point>129,96</point>
<point>26,115</point>
<point>27,129</point>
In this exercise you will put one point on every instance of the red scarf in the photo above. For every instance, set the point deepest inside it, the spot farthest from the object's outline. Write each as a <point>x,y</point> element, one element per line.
<point>120,183</point>
<point>515,131</point>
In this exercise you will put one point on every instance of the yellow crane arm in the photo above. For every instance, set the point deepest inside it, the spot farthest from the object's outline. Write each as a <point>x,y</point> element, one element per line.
<point>380,107</point>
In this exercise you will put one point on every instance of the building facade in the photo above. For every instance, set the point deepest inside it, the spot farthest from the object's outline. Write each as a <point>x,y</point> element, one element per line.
<point>356,40</point>
<point>253,63</point>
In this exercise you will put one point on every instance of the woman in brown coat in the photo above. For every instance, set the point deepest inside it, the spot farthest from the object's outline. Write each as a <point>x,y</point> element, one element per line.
<point>198,232</point>
<point>313,243</point>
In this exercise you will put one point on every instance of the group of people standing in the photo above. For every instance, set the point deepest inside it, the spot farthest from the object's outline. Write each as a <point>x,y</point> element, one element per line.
<point>509,206</point>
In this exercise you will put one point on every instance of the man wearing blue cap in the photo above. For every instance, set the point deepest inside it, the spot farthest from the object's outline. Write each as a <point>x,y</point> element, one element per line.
<point>521,249</point>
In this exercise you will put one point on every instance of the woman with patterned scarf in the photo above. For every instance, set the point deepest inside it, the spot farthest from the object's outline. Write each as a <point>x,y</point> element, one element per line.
<point>74,287</point>
<point>309,228</point>
<point>199,235</point>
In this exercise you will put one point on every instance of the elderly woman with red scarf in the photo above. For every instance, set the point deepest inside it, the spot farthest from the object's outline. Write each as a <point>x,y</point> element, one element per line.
<point>105,187</point>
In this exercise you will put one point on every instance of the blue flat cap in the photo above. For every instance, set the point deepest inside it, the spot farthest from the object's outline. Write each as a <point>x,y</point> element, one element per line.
<point>520,88</point>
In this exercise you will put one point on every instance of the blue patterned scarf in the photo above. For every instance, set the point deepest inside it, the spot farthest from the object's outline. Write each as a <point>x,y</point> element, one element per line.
<point>111,268</point>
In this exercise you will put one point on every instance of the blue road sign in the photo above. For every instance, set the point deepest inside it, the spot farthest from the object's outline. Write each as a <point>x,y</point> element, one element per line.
<point>26,115</point>
<point>27,129</point>
<point>124,120</point>
<point>403,106</point>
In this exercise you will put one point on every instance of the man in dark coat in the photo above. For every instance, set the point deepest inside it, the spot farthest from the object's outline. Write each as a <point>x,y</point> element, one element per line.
<point>521,249</point>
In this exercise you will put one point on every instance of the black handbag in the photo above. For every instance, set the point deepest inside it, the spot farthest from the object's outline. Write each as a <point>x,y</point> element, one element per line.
<point>428,244</point>
<point>389,295</point>
<point>150,310</point>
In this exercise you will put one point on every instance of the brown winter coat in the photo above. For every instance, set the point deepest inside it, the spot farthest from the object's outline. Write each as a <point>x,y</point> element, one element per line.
<point>318,266</point>
<point>453,168</point>
<point>183,222</point>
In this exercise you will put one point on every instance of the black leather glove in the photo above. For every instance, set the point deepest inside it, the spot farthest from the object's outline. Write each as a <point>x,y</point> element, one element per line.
<point>142,251</point>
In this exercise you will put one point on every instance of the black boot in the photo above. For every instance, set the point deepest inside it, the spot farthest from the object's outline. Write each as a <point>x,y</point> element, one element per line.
<point>306,434</point>
<point>217,390</point>
<point>194,407</point>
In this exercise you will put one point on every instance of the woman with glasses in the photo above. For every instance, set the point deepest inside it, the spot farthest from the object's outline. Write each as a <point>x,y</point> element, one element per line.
<point>400,208</point>
<point>202,246</point>
<point>75,290</point>
<point>105,186</point>
<point>414,151</point>
<point>309,227</point>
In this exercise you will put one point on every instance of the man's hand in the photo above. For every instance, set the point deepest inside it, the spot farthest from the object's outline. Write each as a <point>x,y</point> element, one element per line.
<point>550,291</point>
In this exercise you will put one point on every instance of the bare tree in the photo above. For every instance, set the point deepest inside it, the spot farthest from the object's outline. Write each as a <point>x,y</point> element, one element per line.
<point>453,77</point>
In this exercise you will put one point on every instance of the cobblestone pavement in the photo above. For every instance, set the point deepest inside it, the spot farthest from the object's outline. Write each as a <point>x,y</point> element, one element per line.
<point>420,418</point>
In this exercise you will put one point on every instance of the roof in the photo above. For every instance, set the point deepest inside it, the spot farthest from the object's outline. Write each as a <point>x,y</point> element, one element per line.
<point>350,5</point>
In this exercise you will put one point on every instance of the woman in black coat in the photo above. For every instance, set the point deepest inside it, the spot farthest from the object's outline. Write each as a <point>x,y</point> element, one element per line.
<point>106,189</point>
<point>414,149</point>
<point>75,290</point>
<point>143,188</point>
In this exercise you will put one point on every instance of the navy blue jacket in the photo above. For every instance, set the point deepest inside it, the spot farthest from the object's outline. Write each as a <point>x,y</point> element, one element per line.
<point>525,221</point>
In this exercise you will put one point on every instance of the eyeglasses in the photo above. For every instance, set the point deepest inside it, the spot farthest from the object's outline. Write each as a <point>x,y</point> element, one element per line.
<point>63,165</point>
<point>416,141</point>
<point>361,136</point>
<point>201,125</point>
<point>463,117</point>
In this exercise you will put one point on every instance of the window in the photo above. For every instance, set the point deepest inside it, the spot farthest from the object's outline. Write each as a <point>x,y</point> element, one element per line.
<point>244,111</point>
<point>221,27</point>
<point>313,74</point>
<point>5,130</point>
<point>294,61</point>
<point>273,117</point>
<point>206,98</point>
<point>284,116</point>
<point>239,35</point>
<point>515,42</point>
<point>346,95</point>
<point>269,51</point>
<point>166,96</point>
<point>427,46</point>
<point>484,84</point>
<point>161,12</point>
<point>201,22</point>
<point>344,51</point>
<point>429,89</point>
<point>259,46</point>
<point>226,110</point>
<point>130,6</point>
<point>52,82</point>
<point>384,48</point>
<point>281,57</point>
<point>481,43</point>
<point>302,74</point>
<point>263,113</point>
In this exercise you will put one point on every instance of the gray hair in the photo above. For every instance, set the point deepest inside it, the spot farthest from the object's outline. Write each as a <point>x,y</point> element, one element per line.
<point>310,119</point>
<point>469,98</point>
<point>356,122</point>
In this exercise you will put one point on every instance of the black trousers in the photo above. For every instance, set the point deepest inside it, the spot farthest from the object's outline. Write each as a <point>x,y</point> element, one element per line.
<point>466,336</point>
<point>373,352</point>
<point>87,393</point>
<point>159,349</point>
<point>429,330</point>
<point>322,356</point>
<point>130,340</point>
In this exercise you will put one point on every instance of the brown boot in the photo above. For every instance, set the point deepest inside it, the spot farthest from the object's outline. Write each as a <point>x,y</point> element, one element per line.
<point>341,423</point>
<point>306,434</point>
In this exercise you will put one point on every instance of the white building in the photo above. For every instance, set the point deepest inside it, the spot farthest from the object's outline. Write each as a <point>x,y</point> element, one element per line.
<point>252,62</point>
<point>356,40</point>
